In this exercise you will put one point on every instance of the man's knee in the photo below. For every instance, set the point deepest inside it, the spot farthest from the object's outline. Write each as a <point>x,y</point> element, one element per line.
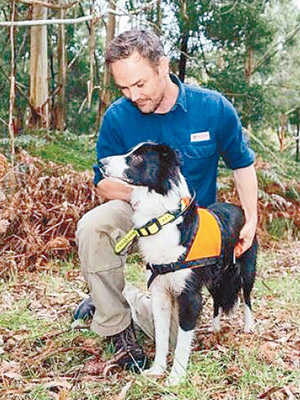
<point>97,231</point>
<point>115,213</point>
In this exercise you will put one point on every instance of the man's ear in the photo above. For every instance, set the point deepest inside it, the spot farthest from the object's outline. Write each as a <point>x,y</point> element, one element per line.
<point>163,67</point>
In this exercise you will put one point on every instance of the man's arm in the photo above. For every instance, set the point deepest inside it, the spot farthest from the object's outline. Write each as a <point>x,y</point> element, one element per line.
<point>246,184</point>
<point>113,189</point>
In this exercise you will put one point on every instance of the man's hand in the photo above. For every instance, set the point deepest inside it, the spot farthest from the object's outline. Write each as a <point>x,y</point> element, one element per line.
<point>246,184</point>
<point>246,238</point>
<point>113,189</point>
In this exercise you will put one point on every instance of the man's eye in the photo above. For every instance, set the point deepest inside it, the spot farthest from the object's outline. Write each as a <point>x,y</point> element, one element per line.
<point>140,85</point>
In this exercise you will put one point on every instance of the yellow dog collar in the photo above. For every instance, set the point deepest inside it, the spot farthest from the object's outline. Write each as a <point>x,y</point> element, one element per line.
<point>152,227</point>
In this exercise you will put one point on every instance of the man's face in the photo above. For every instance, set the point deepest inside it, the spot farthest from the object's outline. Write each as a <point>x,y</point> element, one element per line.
<point>140,81</point>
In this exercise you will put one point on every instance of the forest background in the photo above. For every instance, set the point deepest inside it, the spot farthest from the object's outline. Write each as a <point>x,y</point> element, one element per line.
<point>54,90</point>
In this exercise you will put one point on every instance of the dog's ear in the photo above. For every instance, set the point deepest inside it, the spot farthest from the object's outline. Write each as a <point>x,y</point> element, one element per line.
<point>168,168</point>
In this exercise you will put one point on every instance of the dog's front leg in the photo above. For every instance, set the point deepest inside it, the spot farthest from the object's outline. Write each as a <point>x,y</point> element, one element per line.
<point>161,308</point>
<point>189,306</point>
<point>181,357</point>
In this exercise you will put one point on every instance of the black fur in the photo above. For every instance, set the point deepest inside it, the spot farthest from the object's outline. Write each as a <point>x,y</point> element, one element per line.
<point>190,305</point>
<point>156,166</point>
<point>153,166</point>
<point>226,280</point>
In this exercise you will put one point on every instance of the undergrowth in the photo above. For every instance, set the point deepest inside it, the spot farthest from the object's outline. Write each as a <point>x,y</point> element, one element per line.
<point>58,147</point>
<point>43,357</point>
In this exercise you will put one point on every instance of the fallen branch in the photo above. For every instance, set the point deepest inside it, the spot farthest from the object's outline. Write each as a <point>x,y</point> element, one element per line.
<point>51,352</point>
<point>62,332</point>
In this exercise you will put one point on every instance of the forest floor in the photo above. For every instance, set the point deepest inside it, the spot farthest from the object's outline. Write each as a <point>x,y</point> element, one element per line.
<point>44,357</point>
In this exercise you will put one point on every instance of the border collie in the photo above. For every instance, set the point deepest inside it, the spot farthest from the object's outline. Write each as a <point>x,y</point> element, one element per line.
<point>165,230</point>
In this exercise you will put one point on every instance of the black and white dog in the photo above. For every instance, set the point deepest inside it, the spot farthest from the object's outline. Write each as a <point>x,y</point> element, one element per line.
<point>165,231</point>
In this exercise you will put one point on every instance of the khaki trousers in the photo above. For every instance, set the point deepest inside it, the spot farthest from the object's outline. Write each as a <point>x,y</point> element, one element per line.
<point>97,231</point>
<point>116,302</point>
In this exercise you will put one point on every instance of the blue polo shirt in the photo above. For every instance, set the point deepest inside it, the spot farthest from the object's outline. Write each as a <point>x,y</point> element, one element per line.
<point>203,126</point>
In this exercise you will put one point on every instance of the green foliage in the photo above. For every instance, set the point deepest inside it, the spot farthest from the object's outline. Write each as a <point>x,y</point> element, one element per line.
<point>248,50</point>
<point>69,149</point>
<point>134,271</point>
<point>19,317</point>
<point>79,119</point>
<point>59,147</point>
<point>282,167</point>
<point>283,228</point>
<point>22,65</point>
<point>240,24</point>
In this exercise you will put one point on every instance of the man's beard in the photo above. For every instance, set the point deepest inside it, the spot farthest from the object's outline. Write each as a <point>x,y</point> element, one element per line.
<point>153,106</point>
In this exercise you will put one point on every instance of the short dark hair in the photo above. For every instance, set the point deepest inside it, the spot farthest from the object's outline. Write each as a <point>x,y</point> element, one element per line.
<point>146,43</point>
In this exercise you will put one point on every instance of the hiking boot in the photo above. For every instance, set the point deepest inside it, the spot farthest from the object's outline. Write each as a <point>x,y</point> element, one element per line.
<point>84,310</point>
<point>128,353</point>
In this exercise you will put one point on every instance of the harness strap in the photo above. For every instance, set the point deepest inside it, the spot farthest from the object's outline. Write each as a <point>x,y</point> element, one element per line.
<point>153,226</point>
<point>161,269</point>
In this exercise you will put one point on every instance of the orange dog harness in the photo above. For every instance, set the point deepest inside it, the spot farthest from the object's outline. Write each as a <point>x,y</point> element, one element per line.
<point>208,239</point>
<point>205,249</point>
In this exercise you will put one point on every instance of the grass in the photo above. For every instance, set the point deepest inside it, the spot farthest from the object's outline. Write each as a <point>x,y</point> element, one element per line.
<point>58,147</point>
<point>42,357</point>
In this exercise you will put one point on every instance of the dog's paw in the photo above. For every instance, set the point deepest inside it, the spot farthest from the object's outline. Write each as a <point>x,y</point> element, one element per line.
<point>249,328</point>
<point>249,322</point>
<point>174,380</point>
<point>177,376</point>
<point>155,372</point>
<point>215,325</point>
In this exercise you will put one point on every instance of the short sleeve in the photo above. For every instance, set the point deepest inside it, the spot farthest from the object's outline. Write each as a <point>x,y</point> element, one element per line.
<point>233,145</point>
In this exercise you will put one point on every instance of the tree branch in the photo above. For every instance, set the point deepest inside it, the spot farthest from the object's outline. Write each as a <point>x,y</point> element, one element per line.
<point>50,21</point>
<point>49,5</point>
<point>65,21</point>
<point>276,49</point>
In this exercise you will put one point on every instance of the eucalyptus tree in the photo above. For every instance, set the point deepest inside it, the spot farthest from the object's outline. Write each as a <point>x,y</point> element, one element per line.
<point>227,40</point>
<point>283,83</point>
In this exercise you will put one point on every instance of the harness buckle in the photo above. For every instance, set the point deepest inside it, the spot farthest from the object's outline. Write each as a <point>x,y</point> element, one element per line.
<point>151,268</point>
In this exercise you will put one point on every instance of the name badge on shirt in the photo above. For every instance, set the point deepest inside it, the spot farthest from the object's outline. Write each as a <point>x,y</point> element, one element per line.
<point>200,136</point>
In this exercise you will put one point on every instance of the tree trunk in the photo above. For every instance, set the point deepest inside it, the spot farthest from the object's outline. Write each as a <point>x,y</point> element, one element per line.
<point>92,64</point>
<point>157,26</point>
<point>110,33</point>
<point>39,71</point>
<point>61,53</point>
<point>183,56</point>
<point>298,135</point>
<point>12,94</point>
<point>249,65</point>
<point>282,131</point>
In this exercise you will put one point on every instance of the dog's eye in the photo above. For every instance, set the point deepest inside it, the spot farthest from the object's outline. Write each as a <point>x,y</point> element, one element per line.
<point>136,161</point>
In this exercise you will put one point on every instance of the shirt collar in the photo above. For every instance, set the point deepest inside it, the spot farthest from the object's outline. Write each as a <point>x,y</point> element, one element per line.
<point>181,99</point>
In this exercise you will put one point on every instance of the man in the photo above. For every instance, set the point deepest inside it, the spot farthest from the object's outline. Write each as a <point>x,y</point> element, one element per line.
<point>203,126</point>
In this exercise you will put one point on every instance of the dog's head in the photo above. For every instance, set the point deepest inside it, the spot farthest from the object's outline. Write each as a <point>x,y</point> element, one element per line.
<point>152,165</point>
